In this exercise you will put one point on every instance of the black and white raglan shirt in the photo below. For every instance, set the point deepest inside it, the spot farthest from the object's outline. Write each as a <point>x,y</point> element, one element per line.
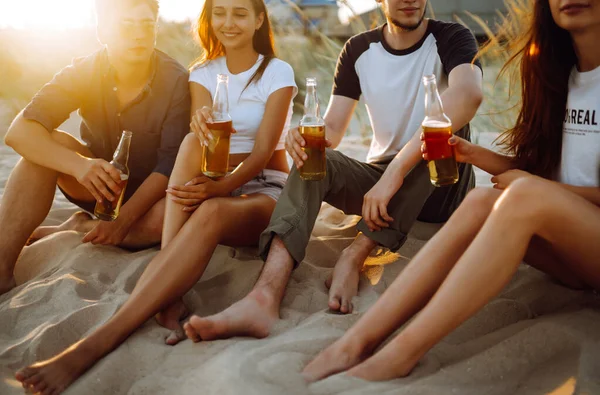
<point>390,81</point>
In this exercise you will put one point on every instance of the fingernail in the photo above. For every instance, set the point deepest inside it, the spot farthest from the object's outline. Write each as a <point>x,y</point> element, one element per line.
<point>452,139</point>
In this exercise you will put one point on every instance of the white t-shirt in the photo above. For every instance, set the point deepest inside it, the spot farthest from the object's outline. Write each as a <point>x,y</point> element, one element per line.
<point>247,107</point>
<point>580,162</point>
<point>390,81</point>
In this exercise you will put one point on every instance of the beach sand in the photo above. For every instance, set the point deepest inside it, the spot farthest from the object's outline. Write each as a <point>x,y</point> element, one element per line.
<point>537,337</point>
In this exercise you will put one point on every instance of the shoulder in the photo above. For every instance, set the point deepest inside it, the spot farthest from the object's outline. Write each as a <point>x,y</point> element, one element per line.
<point>87,66</point>
<point>200,72</point>
<point>278,67</point>
<point>360,43</point>
<point>169,67</point>
<point>442,30</point>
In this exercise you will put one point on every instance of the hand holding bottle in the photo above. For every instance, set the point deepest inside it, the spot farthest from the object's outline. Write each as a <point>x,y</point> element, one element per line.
<point>293,145</point>
<point>100,178</point>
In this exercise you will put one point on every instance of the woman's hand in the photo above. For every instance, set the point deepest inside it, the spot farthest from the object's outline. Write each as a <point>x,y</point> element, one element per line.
<point>194,192</point>
<point>503,181</point>
<point>463,149</point>
<point>200,128</point>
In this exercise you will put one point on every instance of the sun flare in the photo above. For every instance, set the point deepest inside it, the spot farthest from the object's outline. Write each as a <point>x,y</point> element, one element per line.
<point>46,15</point>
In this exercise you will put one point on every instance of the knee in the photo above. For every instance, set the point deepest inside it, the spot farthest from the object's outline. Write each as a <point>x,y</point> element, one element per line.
<point>209,213</point>
<point>479,202</point>
<point>190,145</point>
<point>524,198</point>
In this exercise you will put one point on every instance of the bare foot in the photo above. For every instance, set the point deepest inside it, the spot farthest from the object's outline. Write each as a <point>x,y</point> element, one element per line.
<point>252,316</point>
<point>387,364</point>
<point>171,318</point>
<point>343,283</point>
<point>56,374</point>
<point>77,222</point>
<point>338,357</point>
<point>6,284</point>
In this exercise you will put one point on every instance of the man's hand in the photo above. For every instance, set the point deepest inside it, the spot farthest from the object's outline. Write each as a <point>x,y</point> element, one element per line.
<point>374,210</point>
<point>293,145</point>
<point>194,192</point>
<point>503,181</point>
<point>107,233</point>
<point>100,178</point>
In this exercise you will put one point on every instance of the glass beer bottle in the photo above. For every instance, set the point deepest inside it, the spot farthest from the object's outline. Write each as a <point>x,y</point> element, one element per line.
<point>312,129</point>
<point>107,210</point>
<point>437,130</point>
<point>215,161</point>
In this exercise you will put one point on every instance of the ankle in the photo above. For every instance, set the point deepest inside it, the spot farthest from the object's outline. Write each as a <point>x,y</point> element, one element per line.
<point>265,298</point>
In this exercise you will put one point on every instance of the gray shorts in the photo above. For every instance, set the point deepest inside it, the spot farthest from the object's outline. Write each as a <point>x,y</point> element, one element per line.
<point>268,182</point>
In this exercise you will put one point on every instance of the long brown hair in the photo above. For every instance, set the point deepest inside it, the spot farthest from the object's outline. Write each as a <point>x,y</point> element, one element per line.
<point>545,56</point>
<point>263,41</point>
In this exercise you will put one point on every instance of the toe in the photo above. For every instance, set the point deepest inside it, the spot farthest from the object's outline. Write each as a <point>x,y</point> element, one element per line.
<point>33,379</point>
<point>40,387</point>
<point>334,303</point>
<point>176,336</point>
<point>24,374</point>
<point>329,281</point>
<point>191,333</point>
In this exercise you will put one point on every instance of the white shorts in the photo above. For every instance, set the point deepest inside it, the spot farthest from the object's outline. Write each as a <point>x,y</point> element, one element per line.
<point>268,182</point>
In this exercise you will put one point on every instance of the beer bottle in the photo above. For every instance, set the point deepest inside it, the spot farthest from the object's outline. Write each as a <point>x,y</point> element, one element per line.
<point>215,158</point>
<point>437,130</point>
<point>312,129</point>
<point>107,210</point>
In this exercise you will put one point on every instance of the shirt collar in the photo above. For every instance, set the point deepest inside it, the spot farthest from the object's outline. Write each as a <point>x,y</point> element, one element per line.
<point>109,72</point>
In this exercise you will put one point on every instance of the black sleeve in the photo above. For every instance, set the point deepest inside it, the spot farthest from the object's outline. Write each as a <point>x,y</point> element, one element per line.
<point>175,127</point>
<point>345,80</point>
<point>456,46</point>
<point>55,102</point>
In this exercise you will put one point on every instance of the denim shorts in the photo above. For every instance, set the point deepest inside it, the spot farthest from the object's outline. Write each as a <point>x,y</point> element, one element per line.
<point>268,182</point>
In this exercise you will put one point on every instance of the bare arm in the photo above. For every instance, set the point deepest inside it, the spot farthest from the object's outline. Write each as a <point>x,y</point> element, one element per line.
<point>461,101</point>
<point>33,142</point>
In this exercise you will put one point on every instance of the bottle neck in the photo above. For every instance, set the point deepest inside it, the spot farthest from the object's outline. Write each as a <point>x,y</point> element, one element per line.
<point>121,155</point>
<point>221,101</point>
<point>311,102</point>
<point>433,102</point>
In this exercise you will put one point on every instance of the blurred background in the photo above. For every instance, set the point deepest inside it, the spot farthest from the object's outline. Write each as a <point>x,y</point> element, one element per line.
<point>40,37</point>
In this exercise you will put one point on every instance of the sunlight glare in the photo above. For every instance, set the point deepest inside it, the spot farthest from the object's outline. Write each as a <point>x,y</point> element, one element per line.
<point>46,15</point>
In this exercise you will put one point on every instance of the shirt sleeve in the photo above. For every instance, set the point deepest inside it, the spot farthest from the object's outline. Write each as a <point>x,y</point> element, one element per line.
<point>456,46</point>
<point>280,76</point>
<point>345,80</point>
<point>56,100</point>
<point>175,127</point>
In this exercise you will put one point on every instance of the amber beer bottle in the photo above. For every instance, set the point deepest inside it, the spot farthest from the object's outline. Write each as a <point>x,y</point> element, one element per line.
<point>312,129</point>
<point>215,158</point>
<point>437,130</point>
<point>107,210</point>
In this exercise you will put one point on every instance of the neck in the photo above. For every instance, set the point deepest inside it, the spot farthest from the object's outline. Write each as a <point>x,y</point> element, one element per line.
<point>587,49</point>
<point>241,59</point>
<point>399,39</point>
<point>131,75</point>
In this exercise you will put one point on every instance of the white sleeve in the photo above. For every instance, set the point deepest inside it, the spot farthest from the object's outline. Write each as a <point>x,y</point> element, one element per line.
<point>280,75</point>
<point>200,76</point>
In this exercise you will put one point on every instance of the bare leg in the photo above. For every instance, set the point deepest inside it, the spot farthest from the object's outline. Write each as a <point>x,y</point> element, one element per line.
<point>173,271</point>
<point>26,202</point>
<point>410,291</point>
<point>343,283</point>
<point>144,233</point>
<point>568,222</point>
<point>258,311</point>
<point>187,166</point>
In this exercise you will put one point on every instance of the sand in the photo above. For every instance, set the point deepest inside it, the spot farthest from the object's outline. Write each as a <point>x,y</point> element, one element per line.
<point>537,337</point>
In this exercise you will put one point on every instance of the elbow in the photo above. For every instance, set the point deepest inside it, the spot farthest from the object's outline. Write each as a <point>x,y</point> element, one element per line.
<point>9,137</point>
<point>476,97</point>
